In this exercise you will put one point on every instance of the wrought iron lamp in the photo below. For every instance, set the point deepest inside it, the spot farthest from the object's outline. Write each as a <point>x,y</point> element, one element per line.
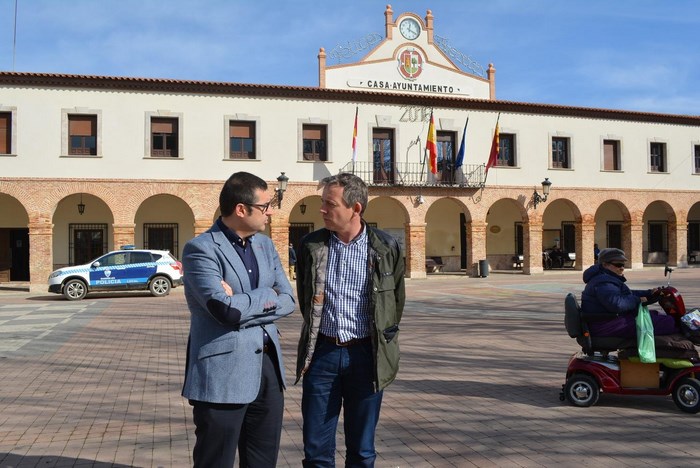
<point>537,198</point>
<point>81,205</point>
<point>302,207</point>
<point>282,186</point>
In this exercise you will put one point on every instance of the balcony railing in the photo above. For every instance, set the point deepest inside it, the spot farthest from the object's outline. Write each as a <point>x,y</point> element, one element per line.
<point>417,175</point>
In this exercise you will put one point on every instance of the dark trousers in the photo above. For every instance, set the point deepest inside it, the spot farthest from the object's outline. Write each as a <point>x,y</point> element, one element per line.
<point>254,428</point>
<point>340,377</point>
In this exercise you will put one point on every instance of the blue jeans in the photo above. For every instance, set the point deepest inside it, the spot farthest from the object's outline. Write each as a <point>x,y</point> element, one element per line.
<point>340,376</point>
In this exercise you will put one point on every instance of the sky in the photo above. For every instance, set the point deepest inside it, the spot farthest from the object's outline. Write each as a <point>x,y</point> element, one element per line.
<point>639,55</point>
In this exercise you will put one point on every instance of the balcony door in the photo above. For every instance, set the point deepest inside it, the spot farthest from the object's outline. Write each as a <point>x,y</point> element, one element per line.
<point>446,157</point>
<point>383,155</point>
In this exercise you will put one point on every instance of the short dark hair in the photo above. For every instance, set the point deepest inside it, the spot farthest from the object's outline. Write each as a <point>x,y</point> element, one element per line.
<point>239,188</point>
<point>355,190</point>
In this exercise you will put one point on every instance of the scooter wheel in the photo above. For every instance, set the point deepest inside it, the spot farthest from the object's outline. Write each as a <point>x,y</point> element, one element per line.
<point>686,395</point>
<point>582,390</point>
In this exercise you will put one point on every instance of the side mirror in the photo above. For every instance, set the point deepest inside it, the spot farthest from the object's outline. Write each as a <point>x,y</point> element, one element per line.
<point>668,270</point>
<point>95,264</point>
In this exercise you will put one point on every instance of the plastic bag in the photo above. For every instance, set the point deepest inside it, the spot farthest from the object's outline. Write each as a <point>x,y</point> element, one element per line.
<point>645,336</point>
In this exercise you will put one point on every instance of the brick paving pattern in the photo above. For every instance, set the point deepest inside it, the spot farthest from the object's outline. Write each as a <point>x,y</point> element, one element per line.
<point>97,383</point>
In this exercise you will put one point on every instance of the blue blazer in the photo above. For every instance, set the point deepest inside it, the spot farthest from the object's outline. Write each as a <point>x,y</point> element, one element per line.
<point>224,360</point>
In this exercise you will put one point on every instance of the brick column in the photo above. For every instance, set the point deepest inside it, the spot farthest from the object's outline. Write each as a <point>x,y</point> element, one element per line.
<point>532,248</point>
<point>40,254</point>
<point>201,226</point>
<point>678,244</point>
<point>415,250</point>
<point>476,245</point>
<point>123,234</point>
<point>585,238</point>
<point>633,245</point>
<point>279,232</point>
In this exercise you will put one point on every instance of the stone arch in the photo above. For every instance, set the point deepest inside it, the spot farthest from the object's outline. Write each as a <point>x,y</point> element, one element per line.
<point>78,238</point>
<point>448,237</point>
<point>388,214</point>
<point>14,240</point>
<point>659,234</point>
<point>505,234</point>
<point>14,213</point>
<point>163,221</point>
<point>612,225</point>
<point>11,197</point>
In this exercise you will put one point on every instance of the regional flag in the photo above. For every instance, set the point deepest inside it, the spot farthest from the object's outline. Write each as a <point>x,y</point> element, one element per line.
<point>460,154</point>
<point>431,145</point>
<point>354,137</point>
<point>493,156</point>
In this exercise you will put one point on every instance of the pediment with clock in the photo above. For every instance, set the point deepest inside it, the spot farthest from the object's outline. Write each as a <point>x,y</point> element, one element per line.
<point>409,58</point>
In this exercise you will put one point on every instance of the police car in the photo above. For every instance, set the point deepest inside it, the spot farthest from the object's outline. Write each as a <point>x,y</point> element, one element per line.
<point>125,269</point>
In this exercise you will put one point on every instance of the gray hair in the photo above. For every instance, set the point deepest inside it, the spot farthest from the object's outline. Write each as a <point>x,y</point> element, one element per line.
<point>354,188</point>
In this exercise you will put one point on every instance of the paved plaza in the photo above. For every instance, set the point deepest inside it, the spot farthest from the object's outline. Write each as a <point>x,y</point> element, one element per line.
<point>97,383</point>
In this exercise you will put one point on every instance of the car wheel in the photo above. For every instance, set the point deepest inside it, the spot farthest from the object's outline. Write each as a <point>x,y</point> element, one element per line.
<point>160,286</point>
<point>74,290</point>
<point>686,395</point>
<point>582,390</point>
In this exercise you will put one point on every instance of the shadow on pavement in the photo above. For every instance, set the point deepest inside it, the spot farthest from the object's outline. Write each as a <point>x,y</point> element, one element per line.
<point>8,460</point>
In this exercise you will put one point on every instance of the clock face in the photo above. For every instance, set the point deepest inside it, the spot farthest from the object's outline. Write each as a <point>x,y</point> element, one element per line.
<point>409,28</point>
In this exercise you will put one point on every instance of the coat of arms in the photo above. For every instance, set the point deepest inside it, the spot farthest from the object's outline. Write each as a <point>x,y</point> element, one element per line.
<point>410,64</point>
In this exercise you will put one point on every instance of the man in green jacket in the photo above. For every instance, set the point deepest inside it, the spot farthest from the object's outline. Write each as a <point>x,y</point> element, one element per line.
<point>350,285</point>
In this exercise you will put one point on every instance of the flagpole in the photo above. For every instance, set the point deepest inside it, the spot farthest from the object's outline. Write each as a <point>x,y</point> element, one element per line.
<point>461,154</point>
<point>486,176</point>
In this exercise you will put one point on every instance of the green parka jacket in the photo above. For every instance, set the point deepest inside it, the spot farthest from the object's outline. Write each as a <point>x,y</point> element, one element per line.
<point>387,299</point>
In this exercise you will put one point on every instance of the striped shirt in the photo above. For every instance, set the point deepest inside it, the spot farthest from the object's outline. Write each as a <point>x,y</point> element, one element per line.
<point>346,305</point>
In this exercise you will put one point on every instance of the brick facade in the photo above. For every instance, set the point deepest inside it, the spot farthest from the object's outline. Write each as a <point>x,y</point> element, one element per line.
<point>40,199</point>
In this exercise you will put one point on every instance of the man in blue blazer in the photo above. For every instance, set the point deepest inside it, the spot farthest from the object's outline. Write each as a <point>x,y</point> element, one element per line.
<point>236,289</point>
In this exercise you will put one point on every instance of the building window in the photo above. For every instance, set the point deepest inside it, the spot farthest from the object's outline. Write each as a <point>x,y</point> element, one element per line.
<point>160,236</point>
<point>506,150</point>
<point>613,234</point>
<point>5,133</point>
<point>81,132</point>
<point>696,160</point>
<point>82,135</point>
<point>86,242</point>
<point>446,157</point>
<point>164,137</point>
<point>383,155</point>
<point>658,236</point>
<point>657,159</point>
<point>315,142</point>
<point>560,153</point>
<point>241,140</point>
<point>611,155</point>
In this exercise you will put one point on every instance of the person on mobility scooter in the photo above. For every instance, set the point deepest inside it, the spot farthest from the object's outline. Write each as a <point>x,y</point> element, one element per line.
<point>606,291</point>
<point>608,359</point>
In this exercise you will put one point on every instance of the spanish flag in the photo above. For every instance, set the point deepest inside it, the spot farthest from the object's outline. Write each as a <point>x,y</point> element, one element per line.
<point>495,147</point>
<point>431,145</point>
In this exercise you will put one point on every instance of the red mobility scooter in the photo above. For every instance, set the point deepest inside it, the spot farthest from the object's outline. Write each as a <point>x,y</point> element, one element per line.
<point>602,365</point>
